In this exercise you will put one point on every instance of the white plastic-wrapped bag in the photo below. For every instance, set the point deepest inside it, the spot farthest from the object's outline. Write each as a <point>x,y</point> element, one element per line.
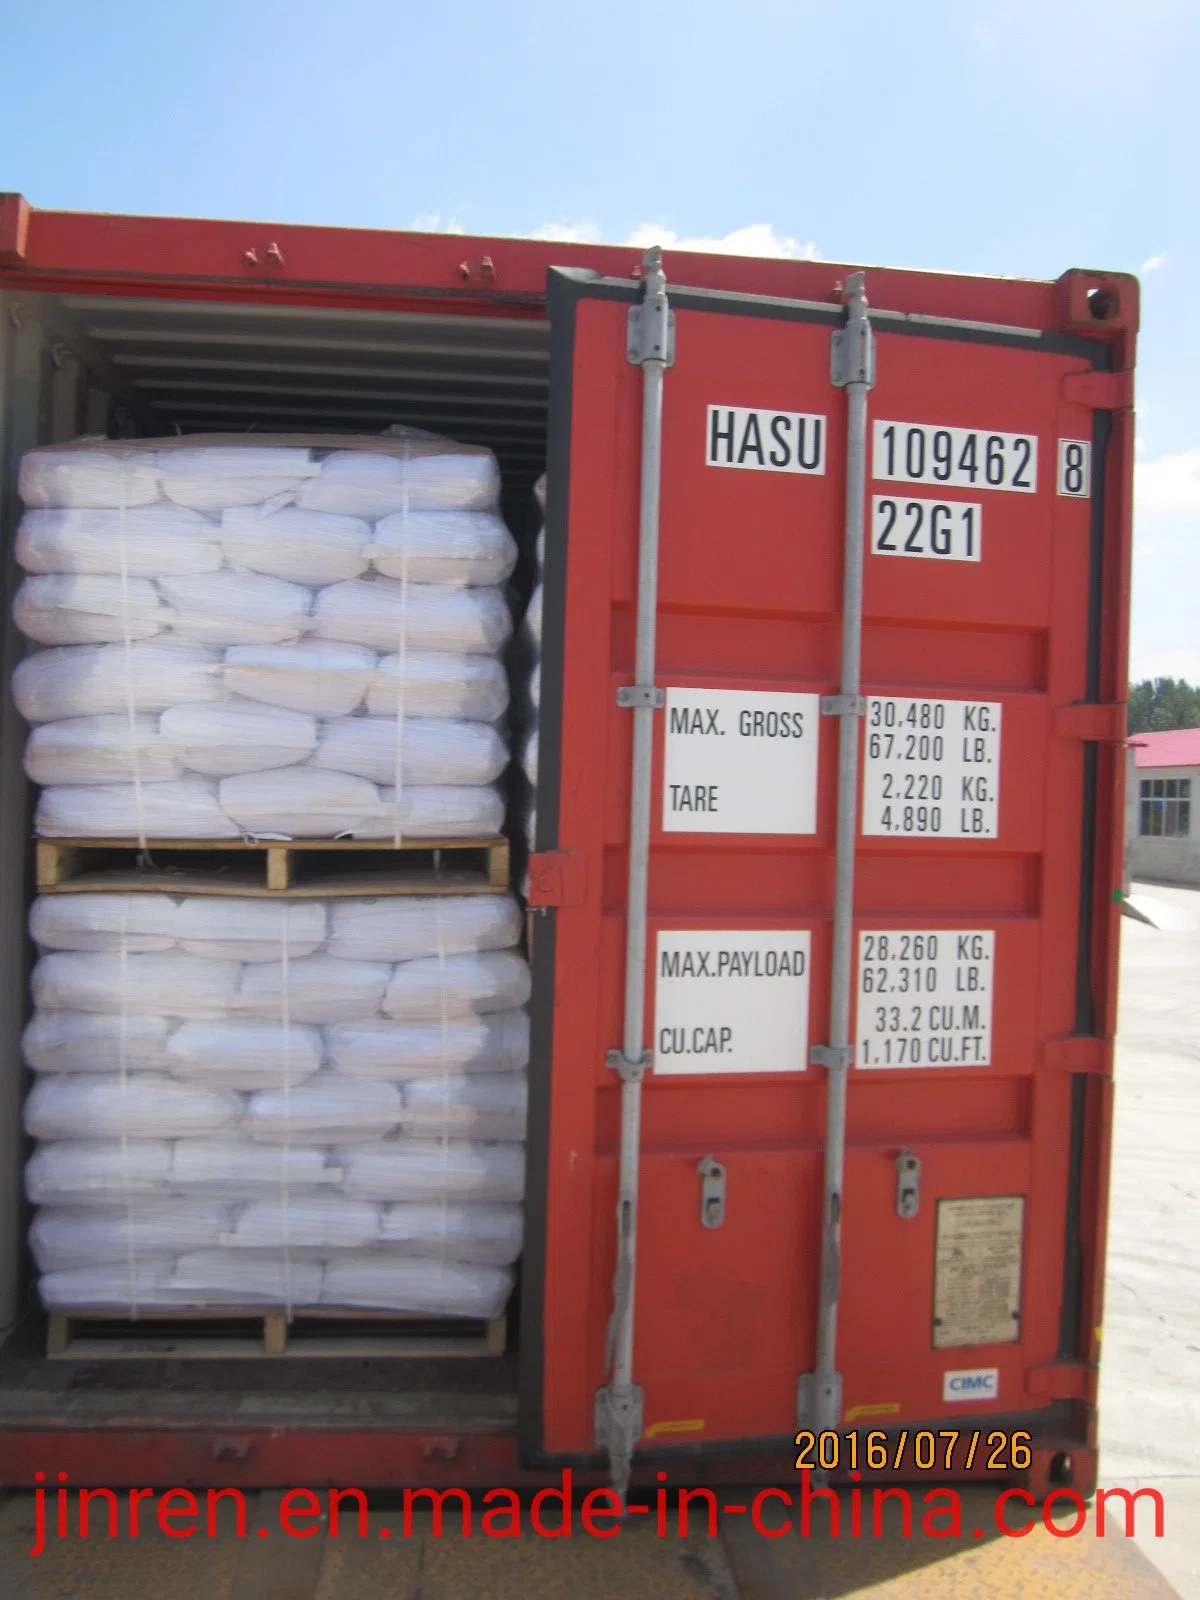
<point>404,928</point>
<point>136,923</point>
<point>489,980</point>
<point>461,548</point>
<point>148,542</point>
<point>299,802</point>
<point>79,1170</point>
<point>105,749</point>
<point>135,1283</point>
<point>432,1169</point>
<point>90,1041</point>
<point>397,1051</point>
<point>326,1110</point>
<point>529,758</point>
<point>397,1281</point>
<point>105,980</point>
<point>326,680</point>
<point>228,608</point>
<point>240,1169</point>
<point>422,475</point>
<point>431,684</point>
<point>79,1236</point>
<point>59,475</point>
<point>312,1222</point>
<point>209,477</point>
<point>222,738</point>
<point>91,680</point>
<point>435,750</point>
<point>248,1277</point>
<point>435,811</point>
<point>88,608</point>
<point>481,1233</point>
<point>312,547</point>
<point>146,1105</point>
<point>316,988</point>
<point>533,615</point>
<point>249,930</point>
<point>381,612</point>
<point>486,1105</point>
<point>244,1055</point>
<point>185,808</point>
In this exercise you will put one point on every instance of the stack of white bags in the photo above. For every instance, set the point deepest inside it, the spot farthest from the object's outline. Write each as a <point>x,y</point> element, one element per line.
<point>527,659</point>
<point>273,1102</point>
<point>296,639</point>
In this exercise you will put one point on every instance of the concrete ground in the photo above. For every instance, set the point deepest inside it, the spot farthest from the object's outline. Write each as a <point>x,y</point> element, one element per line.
<point>1150,1410</point>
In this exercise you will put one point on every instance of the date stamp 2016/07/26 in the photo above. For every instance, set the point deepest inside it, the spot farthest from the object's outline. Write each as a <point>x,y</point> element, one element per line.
<point>922,1450</point>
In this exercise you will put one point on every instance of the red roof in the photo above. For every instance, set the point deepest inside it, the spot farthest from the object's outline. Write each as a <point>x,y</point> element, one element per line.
<point>1180,747</point>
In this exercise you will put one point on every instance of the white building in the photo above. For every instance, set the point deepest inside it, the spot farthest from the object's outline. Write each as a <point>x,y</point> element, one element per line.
<point>1164,827</point>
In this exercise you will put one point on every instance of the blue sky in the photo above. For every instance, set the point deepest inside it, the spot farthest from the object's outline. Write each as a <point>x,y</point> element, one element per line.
<point>994,136</point>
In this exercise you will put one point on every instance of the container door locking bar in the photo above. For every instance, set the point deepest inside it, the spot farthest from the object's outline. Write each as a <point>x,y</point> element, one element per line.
<point>852,367</point>
<point>651,340</point>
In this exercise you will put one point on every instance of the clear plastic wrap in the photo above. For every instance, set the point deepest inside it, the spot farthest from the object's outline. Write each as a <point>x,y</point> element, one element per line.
<point>220,1087</point>
<point>189,588</point>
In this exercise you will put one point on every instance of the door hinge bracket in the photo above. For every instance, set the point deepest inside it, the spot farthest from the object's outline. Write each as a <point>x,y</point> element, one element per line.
<point>1102,391</point>
<point>852,352</point>
<point>908,1184</point>
<point>843,705</point>
<point>818,1401</point>
<point>831,1055</point>
<point>650,329</point>
<point>1079,1052</point>
<point>1094,723</point>
<point>637,696</point>
<point>712,1192</point>
<point>631,1071</point>
<point>557,878</point>
<point>1064,1380</point>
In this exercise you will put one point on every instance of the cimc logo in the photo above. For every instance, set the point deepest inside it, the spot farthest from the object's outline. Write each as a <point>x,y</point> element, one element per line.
<point>978,1383</point>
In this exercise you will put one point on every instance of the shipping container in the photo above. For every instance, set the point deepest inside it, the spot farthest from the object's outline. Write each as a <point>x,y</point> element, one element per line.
<point>825,892</point>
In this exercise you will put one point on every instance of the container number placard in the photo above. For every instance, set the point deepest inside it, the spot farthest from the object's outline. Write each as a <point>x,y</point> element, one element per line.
<point>1075,468</point>
<point>925,998</point>
<point>765,441</point>
<point>932,768</point>
<point>740,761</point>
<point>958,458</point>
<point>731,1002</point>
<point>930,530</point>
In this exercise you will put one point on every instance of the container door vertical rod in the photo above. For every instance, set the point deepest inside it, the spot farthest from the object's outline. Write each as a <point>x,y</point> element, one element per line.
<point>852,367</point>
<point>619,1406</point>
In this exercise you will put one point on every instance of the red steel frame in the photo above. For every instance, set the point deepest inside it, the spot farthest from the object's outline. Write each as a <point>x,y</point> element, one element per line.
<point>190,259</point>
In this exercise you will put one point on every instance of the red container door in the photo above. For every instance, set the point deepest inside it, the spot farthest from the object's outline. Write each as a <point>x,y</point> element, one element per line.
<point>987,855</point>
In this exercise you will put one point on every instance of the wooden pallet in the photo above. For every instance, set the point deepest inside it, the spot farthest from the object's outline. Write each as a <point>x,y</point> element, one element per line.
<point>300,868</point>
<point>181,1335</point>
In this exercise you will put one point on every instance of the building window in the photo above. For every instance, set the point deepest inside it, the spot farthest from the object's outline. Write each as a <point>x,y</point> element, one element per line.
<point>1166,807</point>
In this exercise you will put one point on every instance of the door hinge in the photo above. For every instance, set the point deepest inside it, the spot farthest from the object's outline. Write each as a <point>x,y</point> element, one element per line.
<point>650,330</point>
<point>1102,391</point>
<point>1079,1052</point>
<point>1064,1380</point>
<point>908,1185</point>
<point>1101,724</point>
<point>712,1192</point>
<point>557,878</point>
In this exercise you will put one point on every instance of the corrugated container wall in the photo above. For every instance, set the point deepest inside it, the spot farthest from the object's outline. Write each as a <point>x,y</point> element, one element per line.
<point>946,1272</point>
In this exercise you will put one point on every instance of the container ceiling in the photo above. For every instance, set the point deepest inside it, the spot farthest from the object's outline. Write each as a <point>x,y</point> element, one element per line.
<point>193,366</point>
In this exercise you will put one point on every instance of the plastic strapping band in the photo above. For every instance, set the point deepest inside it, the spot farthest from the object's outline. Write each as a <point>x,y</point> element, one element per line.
<point>131,1294</point>
<point>127,634</point>
<point>402,655</point>
<point>444,1218</point>
<point>285,1022</point>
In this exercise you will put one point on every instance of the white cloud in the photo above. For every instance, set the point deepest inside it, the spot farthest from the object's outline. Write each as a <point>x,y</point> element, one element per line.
<point>431,222</point>
<point>584,232</point>
<point>1152,263</point>
<point>1166,664</point>
<point>1169,485</point>
<point>758,239</point>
